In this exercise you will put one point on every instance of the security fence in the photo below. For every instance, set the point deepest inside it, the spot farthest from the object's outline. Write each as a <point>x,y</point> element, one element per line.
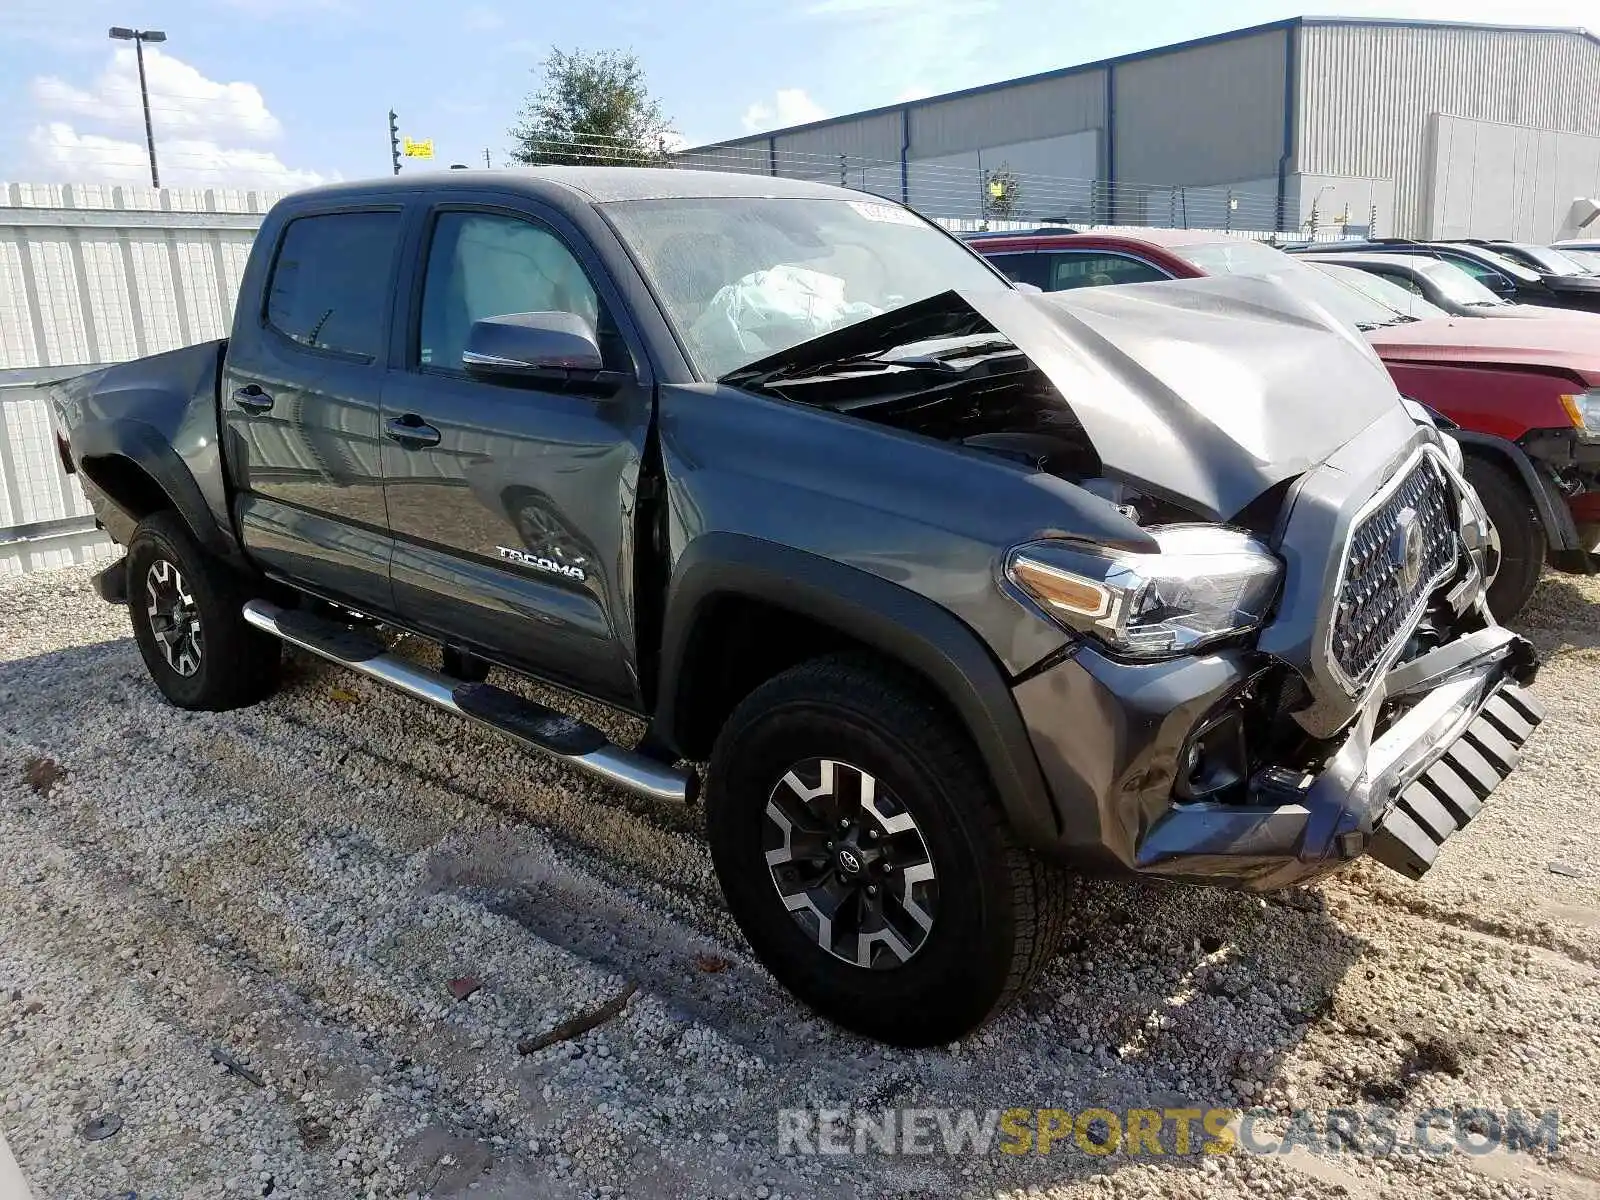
<point>92,275</point>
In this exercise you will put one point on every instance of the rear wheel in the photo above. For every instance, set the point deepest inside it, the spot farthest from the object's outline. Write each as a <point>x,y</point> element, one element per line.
<point>865,857</point>
<point>185,608</point>
<point>1520,535</point>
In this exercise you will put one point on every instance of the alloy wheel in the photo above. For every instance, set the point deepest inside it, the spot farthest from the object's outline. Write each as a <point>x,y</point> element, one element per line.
<point>174,617</point>
<point>850,863</point>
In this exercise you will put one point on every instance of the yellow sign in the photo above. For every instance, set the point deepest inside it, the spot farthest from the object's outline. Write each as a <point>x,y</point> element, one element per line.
<point>422,149</point>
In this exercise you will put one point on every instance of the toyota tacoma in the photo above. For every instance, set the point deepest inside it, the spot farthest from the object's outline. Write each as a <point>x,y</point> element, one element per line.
<point>948,587</point>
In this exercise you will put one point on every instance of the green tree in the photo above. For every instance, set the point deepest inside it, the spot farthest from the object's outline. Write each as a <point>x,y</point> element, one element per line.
<point>1002,194</point>
<point>591,108</point>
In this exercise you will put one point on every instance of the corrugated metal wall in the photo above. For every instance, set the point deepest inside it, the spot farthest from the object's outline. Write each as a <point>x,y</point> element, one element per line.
<point>92,275</point>
<point>1023,113</point>
<point>96,274</point>
<point>1212,114</point>
<point>1368,90</point>
<point>867,137</point>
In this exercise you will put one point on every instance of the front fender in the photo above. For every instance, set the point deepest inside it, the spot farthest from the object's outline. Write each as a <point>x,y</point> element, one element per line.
<point>890,619</point>
<point>1559,526</point>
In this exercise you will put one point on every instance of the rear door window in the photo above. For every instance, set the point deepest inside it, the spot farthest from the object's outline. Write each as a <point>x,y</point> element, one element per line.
<point>1075,269</point>
<point>332,281</point>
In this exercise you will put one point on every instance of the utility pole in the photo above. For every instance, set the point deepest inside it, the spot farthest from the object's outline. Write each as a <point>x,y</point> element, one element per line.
<point>139,37</point>
<point>486,161</point>
<point>394,141</point>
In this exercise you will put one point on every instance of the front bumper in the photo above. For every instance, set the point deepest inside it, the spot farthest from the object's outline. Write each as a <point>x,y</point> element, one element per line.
<point>1397,790</point>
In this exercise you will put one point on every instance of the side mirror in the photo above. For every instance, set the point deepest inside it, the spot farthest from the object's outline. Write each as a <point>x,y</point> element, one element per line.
<point>536,347</point>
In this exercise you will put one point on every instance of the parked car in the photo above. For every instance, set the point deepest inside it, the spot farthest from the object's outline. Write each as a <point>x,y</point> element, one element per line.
<point>1443,288</point>
<point>1525,394</point>
<point>1544,259</point>
<point>1589,260</point>
<point>1504,276</point>
<point>949,583</point>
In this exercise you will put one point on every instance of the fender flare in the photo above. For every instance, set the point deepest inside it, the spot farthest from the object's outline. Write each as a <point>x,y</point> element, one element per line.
<point>898,623</point>
<point>1560,529</point>
<point>146,448</point>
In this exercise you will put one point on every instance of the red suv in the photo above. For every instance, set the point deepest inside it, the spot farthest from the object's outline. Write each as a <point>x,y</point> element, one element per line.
<point>1525,394</point>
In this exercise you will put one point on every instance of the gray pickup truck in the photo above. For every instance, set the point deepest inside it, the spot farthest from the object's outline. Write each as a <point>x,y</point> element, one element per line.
<point>952,586</point>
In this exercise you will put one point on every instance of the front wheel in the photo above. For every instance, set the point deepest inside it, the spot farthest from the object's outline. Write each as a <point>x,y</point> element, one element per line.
<point>187,620</point>
<point>864,855</point>
<point>1519,537</point>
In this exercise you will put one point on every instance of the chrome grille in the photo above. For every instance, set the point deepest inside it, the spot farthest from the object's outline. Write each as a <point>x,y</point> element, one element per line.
<point>1398,553</point>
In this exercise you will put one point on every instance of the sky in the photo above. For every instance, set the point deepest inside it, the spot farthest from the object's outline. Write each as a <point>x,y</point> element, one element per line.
<point>288,93</point>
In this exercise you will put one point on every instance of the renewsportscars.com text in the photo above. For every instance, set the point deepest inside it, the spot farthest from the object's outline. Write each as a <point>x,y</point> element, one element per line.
<point>1163,1131</point>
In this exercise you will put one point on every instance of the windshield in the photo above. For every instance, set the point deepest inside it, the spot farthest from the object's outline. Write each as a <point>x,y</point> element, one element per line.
<point>745,277</point>
<point>1252,258</point>
<point>1552,261</point>
<point>1382,290</point>
<point>1506,266</point>
<point>1456,284</point>
<point>1589,260</point>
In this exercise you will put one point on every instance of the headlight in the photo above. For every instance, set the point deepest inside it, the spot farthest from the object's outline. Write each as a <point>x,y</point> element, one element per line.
<point>1206,583</point>
<point>1584,411</point>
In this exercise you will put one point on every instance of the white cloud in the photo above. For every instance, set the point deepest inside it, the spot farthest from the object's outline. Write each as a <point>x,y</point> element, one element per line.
<point>790,106</point>
<point>184,162</point>
<point>207,133</point>
<point>182,100</point>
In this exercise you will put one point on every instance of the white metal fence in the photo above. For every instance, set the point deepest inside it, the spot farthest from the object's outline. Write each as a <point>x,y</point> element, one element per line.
<point>92,275</point>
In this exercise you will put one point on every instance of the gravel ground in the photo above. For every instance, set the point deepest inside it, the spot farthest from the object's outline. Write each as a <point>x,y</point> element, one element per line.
<point>228,944</point>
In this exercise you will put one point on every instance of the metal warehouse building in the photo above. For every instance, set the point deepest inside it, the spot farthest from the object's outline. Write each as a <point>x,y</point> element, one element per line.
<point>1423,129</point>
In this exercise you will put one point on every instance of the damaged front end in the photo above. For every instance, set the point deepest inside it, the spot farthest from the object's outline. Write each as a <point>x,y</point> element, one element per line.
<point>1298,667</point>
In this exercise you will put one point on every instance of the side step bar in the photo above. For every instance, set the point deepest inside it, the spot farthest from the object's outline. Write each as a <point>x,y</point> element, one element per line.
<point>540,728</point>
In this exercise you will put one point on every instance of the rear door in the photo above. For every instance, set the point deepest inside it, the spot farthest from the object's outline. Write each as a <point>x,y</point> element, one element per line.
<point>300,399</point>
<point>512,505</point>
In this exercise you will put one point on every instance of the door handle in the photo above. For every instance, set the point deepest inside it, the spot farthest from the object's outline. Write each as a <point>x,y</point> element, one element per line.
<point>251,398</point>
<point>411,431</point>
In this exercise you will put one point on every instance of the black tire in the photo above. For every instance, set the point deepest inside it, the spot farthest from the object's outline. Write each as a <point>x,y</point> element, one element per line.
<point>1522,539</point>
<point>998,911</point>
<point>230,663</point>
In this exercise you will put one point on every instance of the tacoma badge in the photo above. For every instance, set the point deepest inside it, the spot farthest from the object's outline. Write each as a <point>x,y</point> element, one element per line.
<point>539,563</point>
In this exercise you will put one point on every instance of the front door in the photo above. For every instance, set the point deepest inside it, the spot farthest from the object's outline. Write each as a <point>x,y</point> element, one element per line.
<point>511,506</point>
<point>300,398</point>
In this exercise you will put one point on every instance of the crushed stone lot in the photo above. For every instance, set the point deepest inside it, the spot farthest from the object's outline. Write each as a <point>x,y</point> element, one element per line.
<point>291,951</point>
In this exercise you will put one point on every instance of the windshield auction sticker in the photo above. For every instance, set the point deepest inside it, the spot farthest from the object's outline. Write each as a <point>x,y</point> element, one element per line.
<point>887,213</point>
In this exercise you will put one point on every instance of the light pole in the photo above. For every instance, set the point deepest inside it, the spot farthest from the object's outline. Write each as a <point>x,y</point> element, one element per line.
<point>139,37</point>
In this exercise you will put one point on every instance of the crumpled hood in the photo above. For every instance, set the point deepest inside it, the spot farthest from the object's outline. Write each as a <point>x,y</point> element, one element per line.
<point>1210,390</point>
<point>1206,392</point>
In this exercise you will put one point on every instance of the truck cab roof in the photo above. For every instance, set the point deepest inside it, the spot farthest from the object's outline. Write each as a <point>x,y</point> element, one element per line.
<point>587,184</point>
